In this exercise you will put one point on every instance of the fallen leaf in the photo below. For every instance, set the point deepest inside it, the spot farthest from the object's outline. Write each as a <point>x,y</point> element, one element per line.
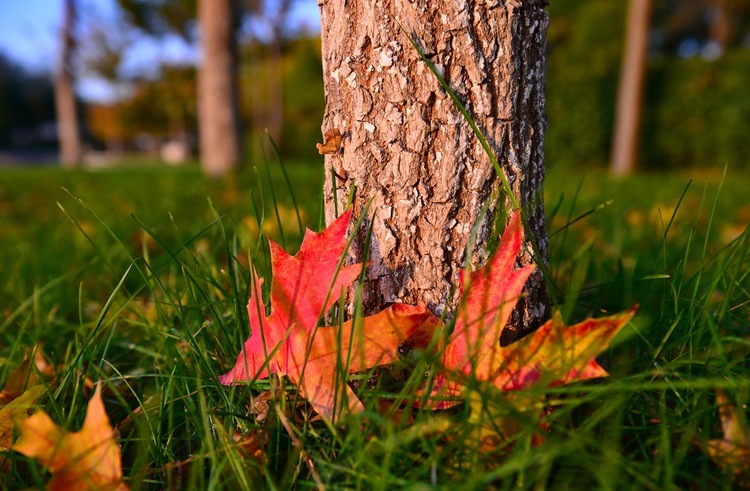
<point>331,142</point>
<point>316,359</point>
<point>11,411</point>
<point>86,460</point>
<point>555,353</point>
<point>260,405</point>
<point>26,376</point>
<point>253,445</point>
<point>732,453</point>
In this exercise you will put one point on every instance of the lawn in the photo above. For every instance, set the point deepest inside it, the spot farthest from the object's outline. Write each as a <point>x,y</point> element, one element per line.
<point>139,277</point>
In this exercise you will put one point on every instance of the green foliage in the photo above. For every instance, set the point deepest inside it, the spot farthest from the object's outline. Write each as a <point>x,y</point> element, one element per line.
<point>161,17</point>
<point>163,107</point>
<point>585,47</point>
<point>303,108</point>
<point>301,76</point>
<point>695,111</point>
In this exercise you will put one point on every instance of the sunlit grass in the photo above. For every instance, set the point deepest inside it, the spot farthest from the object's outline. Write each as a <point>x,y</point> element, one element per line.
<point>140,279</point>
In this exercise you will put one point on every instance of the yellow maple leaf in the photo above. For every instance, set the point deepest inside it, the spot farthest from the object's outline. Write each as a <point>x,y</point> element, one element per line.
<point>14,409</point>
<point>85,460</point>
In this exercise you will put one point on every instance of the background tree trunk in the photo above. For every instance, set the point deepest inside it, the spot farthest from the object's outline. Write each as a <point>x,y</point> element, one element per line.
<point>407,147</point>
<point>630,90</point>
<point>218,119</point>
<point>68,134</point>
<point>720,25</point>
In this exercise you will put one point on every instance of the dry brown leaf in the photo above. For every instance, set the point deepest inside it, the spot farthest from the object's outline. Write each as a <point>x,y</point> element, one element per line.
<point>332,141</point>
<point>26,376</point>
<point>253,445</point>
<point>259,405</point>
<point>732,453</point>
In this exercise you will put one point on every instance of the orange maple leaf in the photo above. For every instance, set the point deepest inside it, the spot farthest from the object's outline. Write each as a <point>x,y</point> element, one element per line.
<point>86,460</point>
<point>554,353</point>
<point>289,342</point>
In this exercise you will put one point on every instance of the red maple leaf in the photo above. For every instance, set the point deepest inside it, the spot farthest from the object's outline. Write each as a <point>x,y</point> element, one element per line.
<point>554,353</point>
<point>289,342</point>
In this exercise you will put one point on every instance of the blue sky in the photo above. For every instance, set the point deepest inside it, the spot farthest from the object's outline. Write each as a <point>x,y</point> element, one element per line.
<point>28,31</point>
<point>29,35</point>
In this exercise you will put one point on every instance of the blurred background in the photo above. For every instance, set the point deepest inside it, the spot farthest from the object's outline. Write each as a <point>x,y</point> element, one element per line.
<point>680,70</point>
<point>132,66</point>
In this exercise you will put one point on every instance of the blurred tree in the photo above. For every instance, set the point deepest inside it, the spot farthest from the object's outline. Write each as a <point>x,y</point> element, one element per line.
<point>218,22</point>
<point>162,17</point>
<point>102,53</point>
<point>218,118</point>
<point>265,23</point>
<point>407,150</point>
<point>162,108</point>
<point>65,101</point>
<point>694,108</point>
<point>630,92</point>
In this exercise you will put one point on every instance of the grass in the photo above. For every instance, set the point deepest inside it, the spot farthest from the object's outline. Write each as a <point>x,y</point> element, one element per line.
<point>139,278</point>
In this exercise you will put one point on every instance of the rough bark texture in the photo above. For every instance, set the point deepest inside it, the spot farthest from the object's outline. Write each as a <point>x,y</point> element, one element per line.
<point>407,148</point>
<point>218,119</point>
<point>630,91</point>
<point>68,134</point>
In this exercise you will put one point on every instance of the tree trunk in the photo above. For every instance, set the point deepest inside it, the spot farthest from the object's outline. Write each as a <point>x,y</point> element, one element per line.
<point>68,134</point>
<point>630,91</point>
<point>218,119</point>
<point>407,148</point>
<point>720,25</point>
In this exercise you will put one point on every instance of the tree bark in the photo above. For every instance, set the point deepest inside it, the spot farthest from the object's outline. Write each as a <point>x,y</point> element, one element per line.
<point>630,91</point>
<point>218,118</point>
<point>407,148</point>
<point>68,134</point>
